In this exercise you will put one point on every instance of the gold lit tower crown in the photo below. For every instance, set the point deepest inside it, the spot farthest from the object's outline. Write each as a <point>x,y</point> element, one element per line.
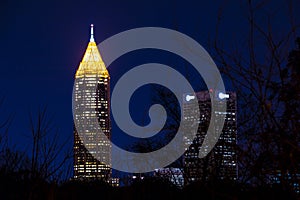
<point>92,62</point>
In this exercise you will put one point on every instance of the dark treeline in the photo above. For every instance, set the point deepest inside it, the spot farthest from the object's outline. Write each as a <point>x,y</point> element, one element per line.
<point>18,186</point>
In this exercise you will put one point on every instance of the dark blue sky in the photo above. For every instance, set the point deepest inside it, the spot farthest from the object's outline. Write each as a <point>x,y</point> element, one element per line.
<point>42,43</point>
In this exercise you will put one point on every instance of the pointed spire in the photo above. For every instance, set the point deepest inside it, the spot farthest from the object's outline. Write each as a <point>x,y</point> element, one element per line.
<point>92,62</point>
<point>92,33</point>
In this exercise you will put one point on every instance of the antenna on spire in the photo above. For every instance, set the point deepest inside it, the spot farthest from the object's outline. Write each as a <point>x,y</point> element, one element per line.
<point>92,33</point>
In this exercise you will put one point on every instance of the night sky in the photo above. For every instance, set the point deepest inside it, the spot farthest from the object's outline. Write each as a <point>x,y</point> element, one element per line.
<point>42,43</point>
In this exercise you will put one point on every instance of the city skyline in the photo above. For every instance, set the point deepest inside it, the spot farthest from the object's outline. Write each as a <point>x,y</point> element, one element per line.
<point>48,49</point>
<point>61,39</point>
<point>92,153</point>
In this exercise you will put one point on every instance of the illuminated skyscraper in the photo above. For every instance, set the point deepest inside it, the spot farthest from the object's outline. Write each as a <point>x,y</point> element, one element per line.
<point>91,97</point>
<point>221,162</point>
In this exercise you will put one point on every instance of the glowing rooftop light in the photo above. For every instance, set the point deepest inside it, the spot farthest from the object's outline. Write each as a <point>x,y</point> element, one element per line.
<point>221,95</point>
<point>92,33</point>
<point>189,97</point>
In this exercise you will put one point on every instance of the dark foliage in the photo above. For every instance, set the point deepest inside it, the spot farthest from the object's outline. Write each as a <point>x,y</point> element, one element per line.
<point>12,186</point>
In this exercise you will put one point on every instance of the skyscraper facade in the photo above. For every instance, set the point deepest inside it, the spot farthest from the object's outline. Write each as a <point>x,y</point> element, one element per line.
<point>221,162</point>
<point>91,97</point>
